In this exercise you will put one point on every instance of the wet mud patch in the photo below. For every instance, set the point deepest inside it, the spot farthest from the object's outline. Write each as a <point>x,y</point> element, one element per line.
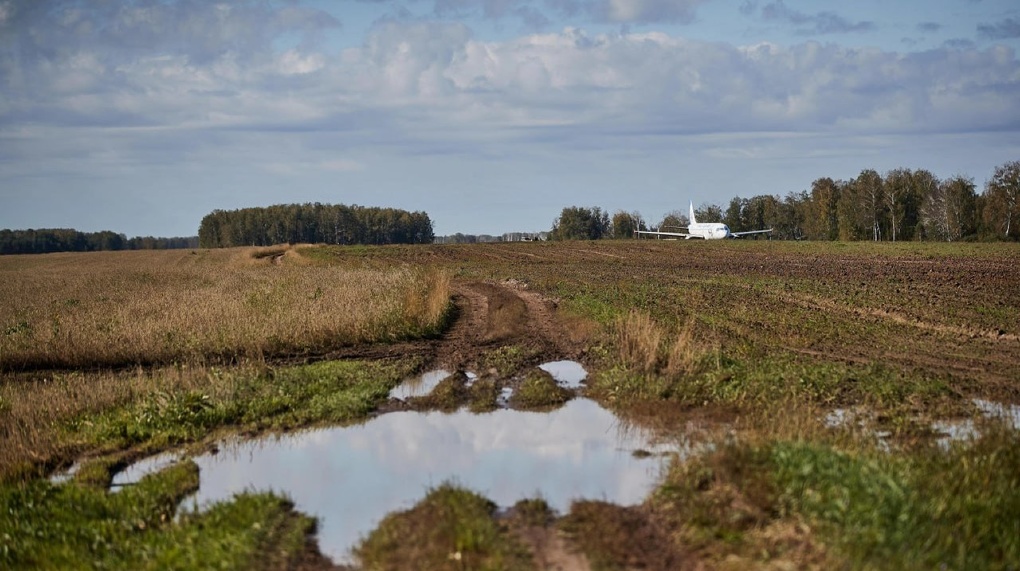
<point>540,388</point>
<point>620,537</point>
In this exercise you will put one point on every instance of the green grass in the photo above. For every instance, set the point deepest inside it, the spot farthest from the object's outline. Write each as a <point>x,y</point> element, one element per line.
<point>507,360</point>
<point>925,508</point>
<point>450,529</point>
<point>448,395</point>
<point>483,394</point>
<point>956,510</point>
<point>759,382</point>
<point>334,392</point>
<point>539,391</point>
<point>72,526</point>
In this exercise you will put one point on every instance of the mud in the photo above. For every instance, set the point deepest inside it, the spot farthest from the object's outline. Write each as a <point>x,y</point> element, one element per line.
<point>487,315</point>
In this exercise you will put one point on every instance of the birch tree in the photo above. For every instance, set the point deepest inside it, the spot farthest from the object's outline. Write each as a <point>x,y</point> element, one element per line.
<point>1002,195</point>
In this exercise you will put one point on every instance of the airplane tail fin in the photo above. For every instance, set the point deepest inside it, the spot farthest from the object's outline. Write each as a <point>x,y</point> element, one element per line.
<point>693,221</point>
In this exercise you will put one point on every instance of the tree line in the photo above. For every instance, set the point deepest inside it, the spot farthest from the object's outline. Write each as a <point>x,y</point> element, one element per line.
<point>903,204</point>
<point>49,240</point>
<point>313,223</point>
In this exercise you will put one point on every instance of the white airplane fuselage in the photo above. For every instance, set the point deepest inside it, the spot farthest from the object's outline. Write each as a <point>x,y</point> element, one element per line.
<point>708,230</point>
<point>702,230</point>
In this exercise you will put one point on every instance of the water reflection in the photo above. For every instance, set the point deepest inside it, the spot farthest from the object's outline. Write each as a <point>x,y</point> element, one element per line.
<point>569,374</point>
<point>949,431</point>
<point>351,477</point>
<point>138,470</point>
<point>420,386</point>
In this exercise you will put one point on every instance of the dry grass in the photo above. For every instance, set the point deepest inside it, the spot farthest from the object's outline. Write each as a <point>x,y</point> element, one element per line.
<point>36,411</point>
<point>638,339</point>
<point>644,346</point>
<point>122,308</point>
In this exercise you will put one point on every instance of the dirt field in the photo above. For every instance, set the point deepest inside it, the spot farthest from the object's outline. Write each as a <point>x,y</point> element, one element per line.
<point>951,311</point>
<point>785,332</point>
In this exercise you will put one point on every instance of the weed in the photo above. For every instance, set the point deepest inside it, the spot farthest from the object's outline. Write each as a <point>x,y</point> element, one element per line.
<point>533,512</point>
<point>72,526</point>
<point>539,391</point>
<point>450,529</point>
<point>52,421</point>
<point>507,360</point>
<point>618,538</point>
<point>483,395</point>
<point>448,395</point>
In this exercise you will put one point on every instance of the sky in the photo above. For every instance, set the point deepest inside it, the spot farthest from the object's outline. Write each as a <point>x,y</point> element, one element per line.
<point>143,116</point>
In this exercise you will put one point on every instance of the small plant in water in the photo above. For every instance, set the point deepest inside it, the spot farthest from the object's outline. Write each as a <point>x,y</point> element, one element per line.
<point>539,391</point>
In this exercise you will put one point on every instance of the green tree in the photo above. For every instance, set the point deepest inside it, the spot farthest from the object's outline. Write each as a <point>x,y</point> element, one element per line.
<point>736,215</point>
<point>625,223</point>
<point>821,214</point>
<point>949,211</point>
<point>901,203</point>
<point>870,191</point>
<point>579,223</point>
<point>708,213</point>
<point>673,221</point>
<point>1002,201</point>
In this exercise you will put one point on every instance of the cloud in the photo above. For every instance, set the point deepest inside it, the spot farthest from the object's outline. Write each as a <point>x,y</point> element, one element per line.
<point>929,27</point>
<point>421,88</point>
<point>647,11</point>
<point>824,22</point>
<point>1003,30</point>
<point>538,16</point>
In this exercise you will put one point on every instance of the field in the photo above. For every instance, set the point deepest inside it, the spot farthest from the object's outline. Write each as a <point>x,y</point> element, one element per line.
<point>820,373</point>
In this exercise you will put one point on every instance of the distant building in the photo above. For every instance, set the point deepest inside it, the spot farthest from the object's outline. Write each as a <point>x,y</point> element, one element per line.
<point>525,236</point>
<point>508,237</point>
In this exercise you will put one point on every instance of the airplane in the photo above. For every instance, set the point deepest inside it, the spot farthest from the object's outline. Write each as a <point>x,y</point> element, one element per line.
<point>704,230</point>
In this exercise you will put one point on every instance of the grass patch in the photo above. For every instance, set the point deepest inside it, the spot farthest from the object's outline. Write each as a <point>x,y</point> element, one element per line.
<point>921,509</point>
<point>450,529</point>
<point>539,391</point>
<point>325,392</point>
<point>483,395</point>
<point>507,360</point>
<point>51,422</point>
<point>448,395</point>
<point>757,381</point>
<point>956,510</point>
<point>616,538</point>
<point>124,308</point>
<point>70,526</point>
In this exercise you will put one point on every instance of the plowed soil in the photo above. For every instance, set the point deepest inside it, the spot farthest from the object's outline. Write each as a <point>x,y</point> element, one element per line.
<point>945,310</point>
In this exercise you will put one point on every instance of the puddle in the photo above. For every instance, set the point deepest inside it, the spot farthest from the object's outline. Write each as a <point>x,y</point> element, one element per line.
<point>65,476</point>
<point>949,430</point>
<point>420,386</point>
<point>351,477</point>
<point>568,374</point>
<point>954,430</point>
<point>138,470</point>
<point>424,384</point>
<point>1009,413</point>
<point>503,398</point>
<point>957,430</point>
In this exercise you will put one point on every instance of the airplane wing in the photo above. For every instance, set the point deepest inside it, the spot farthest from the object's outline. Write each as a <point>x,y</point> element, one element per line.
<point>672,234</point>
<point>739,234</point>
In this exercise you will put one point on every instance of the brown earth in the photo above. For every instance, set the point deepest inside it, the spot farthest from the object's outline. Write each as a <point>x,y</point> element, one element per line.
<point>489,315</point>
<point>506,313</point>
<point>948,315</point>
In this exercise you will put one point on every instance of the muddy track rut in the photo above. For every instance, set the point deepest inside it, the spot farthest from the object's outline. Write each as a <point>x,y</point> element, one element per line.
<point>491,315</point>
<point>487,315</point>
